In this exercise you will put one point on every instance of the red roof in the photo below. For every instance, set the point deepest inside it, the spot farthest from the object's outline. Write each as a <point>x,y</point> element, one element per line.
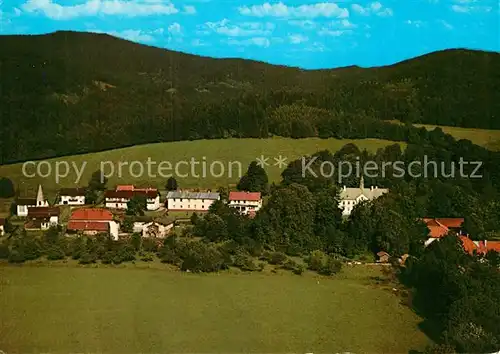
<point>38,212</point>
<point>468,245</point>
<point>451,223</point>
<point>88,226</point>
<point>248,196</point>
<point>128,194</point>
<point>96,214</point>
<point>2,221</point>
<point>485,246</point>
<point>440,227</point>
<point>128,187</point>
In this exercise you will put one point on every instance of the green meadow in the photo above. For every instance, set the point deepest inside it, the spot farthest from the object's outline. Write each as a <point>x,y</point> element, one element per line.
<point>71,309</point>
<point>230,156</point>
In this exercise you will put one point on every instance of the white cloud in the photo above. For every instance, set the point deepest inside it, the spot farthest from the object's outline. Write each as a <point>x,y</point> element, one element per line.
<point>460,8</point>
<point>445,24</point>
<point>375,8</point>
<point>305,24</point>
<point>130,34</point>
<point>316,47</point>
<point>99,7</point>
<point>255,41</point>
<point>415,23</point>
<point>297,38</point>
<point>323,9</point>
<point>245,29</point>
<point>190,10</point>
<point>175,28</point>
<point>333,33</point>
<point>468,6</point>
<point>198,43</point>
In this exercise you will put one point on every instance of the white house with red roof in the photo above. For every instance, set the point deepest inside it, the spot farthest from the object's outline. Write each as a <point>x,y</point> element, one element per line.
<point>118,198</point>
<point>93,221</point>
<point>247,203</point>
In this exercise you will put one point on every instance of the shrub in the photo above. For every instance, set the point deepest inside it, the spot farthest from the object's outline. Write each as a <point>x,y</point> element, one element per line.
<point>299,269</point>
<point>332,266</point>
<point>87,258</point>
<point>277,258</point>
<point>317,260</point>
<point>55,253</point>
<point>16,256</point>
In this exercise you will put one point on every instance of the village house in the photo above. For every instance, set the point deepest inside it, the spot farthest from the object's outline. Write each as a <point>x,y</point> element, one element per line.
<point>350,197</point>
<point>22,204</point>
<point>42,218</point>
<point>92,222</point>
<point>440,227</point>
<point>2,227</point>
<point>152,229</point>
<point>190,201</point>
<point>72,196</point>
<point>118,198</point>
<point>246,202</point>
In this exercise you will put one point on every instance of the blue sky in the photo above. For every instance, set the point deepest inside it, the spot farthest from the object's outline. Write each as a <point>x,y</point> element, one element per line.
<point>305,33</point>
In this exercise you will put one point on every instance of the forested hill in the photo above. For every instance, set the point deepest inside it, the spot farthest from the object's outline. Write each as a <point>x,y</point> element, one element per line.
<point>70,92</point>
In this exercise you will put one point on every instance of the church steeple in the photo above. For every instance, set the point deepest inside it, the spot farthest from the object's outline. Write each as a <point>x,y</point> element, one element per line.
<point>40,201</point>
<point>362,182</point>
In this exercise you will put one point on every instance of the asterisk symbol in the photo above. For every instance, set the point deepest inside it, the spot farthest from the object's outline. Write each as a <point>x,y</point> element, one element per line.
<point>280,162</point>
<point>262,161</point>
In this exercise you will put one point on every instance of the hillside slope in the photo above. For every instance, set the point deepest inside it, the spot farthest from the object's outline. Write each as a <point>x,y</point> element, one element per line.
<point>69,92</point>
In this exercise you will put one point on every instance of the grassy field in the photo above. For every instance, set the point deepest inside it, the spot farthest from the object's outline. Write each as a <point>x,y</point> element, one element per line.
<point>489,139</point>
<point>107,310</point>
<point>232,153</point>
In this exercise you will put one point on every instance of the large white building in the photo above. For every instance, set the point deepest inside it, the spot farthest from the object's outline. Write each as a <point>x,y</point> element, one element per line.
<point>245,202</point>
<point>350,197</point>
<point>72,196</point>
<point>22,204</point>
<point>119,198</point>
<point>190,201</point>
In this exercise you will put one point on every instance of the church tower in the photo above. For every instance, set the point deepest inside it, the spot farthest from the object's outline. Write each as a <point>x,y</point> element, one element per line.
<point>40,200</point>
<point>362,183</point>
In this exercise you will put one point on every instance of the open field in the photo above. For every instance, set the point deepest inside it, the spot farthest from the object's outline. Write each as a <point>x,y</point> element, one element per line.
<point>77,309</point>
<point>232,153</point>
<point>489,139</point>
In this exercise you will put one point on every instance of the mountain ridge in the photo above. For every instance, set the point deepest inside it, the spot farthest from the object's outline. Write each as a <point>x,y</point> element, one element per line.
<point>77,92</point>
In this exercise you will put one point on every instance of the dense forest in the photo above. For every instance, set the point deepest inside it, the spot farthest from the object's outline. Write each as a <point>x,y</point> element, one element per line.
<point>68,92</point>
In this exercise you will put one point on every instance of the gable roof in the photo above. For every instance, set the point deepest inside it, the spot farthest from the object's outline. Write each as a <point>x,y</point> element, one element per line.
<point>43,212</point>
<point>128,187</point>
<point>247,196</point>
<point>467,244</point>
<point>26,201</point>
<point>369,193</point>
<point>451,223</point>
<point>436,229</point>
<point>88,226</point>
<point>485,246</point>
<point>72,192</point>
<point>128,194</point>
<point>192,195</point>
<point>94,214</point>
